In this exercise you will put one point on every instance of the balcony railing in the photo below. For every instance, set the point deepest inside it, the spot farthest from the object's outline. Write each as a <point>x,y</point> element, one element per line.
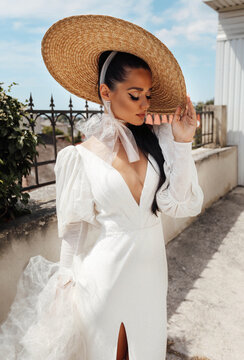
<point>63,121</point>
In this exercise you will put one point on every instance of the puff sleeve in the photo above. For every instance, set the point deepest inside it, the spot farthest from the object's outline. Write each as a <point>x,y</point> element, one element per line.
<point>180,195</point>
<point>74,202</point>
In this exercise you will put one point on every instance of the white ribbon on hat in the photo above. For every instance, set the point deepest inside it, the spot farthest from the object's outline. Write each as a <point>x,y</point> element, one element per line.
<point>107,128</point>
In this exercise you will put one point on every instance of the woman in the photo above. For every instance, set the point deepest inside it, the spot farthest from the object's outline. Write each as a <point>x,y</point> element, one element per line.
<point>111,283</point>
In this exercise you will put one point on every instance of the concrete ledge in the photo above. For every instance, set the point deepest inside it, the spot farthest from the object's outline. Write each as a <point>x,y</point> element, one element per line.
<point>217,175</point>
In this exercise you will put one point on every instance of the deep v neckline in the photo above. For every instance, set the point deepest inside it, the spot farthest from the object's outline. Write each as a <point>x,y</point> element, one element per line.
<point>121,177</point>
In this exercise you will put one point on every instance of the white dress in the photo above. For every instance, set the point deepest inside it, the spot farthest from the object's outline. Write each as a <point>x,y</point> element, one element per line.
<point>113,250</point>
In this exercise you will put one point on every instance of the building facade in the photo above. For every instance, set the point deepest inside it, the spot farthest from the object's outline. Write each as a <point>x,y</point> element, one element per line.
<point>229,76</point>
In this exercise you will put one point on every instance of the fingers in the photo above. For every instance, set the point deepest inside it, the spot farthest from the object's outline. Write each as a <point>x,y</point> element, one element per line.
<point>177,113</point>
<point>188,111</point>
<point>189,106</point>
<point>192,111</point>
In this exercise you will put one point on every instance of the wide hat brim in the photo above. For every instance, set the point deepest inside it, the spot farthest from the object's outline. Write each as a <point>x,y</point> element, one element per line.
<point>71,48</point>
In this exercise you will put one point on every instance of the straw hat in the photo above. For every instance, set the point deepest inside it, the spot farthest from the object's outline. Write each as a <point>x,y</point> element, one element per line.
<point>71,48</point>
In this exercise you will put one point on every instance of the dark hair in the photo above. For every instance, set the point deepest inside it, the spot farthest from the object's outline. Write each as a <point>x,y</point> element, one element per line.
<point>145,138</point>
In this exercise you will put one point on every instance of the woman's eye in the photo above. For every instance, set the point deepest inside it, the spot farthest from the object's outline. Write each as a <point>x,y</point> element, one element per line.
<point>133,97</point>
<point>136,98</point>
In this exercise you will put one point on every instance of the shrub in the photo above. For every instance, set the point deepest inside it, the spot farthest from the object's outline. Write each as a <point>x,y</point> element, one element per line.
<point>77,138</point>
<point>17,153</point>
<point>49,130</point>
<point>198,137</point>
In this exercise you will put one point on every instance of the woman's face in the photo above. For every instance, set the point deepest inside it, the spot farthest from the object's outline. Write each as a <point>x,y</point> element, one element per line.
<point>131,97</point>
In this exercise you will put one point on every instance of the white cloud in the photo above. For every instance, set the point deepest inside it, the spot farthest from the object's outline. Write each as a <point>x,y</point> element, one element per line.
<point>25,12</point>
<point>26,27</point>
<point>184,23</point>
<point>15,55</point>
<point>17,25</point>
<point>57,9</point>
<point>168,37</point>
<point>192,21</point>
<point>34,9</point>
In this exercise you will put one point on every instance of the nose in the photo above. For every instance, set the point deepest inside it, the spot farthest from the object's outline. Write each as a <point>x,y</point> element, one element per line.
<point>145,103</point>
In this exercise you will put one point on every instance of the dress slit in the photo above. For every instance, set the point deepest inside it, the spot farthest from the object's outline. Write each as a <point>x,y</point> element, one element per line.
<point>119,340</point>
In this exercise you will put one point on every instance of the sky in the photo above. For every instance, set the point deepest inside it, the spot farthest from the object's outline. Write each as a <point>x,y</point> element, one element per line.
<point>187,27</point>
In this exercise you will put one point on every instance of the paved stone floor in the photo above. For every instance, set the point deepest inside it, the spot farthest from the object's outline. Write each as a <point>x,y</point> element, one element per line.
<point>206,284</point>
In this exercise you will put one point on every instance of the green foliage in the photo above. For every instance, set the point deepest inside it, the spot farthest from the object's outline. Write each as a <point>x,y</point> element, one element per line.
<point>200,104</point>
<point>198,137</point>
<point>49,130</point>
<point>210,102</point>
<point>17,151</point>
<point>78,137</point>
<point>68,138</point>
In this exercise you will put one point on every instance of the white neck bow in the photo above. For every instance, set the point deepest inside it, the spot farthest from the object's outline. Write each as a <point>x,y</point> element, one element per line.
<point>107,129</point>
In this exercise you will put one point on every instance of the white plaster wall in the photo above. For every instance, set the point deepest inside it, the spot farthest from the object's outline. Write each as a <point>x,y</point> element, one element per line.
<point>229,80</point>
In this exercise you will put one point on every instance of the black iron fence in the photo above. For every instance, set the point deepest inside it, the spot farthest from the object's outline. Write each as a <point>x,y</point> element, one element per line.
<point>57,129</point>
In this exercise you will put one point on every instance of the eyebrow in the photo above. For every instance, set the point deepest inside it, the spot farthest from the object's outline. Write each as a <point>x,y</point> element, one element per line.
<point>137,88</point>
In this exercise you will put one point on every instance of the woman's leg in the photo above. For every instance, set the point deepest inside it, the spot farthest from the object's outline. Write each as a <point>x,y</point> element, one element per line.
<point>122,348</point>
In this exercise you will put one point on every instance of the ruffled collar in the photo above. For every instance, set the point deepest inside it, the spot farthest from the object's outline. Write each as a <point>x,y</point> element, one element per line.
<point>107,129</point>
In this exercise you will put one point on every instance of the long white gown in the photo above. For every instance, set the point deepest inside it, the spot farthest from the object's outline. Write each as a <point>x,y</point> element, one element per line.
<point>113,251</point>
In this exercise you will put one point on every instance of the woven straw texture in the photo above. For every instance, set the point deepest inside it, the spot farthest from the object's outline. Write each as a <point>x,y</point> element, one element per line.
<point>71,48</point>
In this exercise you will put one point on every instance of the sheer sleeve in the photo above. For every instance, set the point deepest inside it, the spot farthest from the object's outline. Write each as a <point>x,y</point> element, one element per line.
<point>44,321</point>
<point>74,234</point>
<point>180,195</point>
<point>74,203</point>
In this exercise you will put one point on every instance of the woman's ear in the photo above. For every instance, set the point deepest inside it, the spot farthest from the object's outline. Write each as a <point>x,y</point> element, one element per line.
<point>105,92</point>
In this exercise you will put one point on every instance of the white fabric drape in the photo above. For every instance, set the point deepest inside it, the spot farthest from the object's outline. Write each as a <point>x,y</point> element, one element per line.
<point>181,194</point>
<point>107,129</point>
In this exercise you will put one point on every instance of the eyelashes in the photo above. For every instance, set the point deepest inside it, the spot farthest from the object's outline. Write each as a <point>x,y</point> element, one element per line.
<point>137,98</point>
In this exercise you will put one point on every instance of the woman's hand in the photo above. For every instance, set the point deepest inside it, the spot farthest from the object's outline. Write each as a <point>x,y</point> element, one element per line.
<point>184,127</point>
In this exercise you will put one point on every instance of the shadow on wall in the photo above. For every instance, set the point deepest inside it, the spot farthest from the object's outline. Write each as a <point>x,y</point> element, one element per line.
<point>237,138</point>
